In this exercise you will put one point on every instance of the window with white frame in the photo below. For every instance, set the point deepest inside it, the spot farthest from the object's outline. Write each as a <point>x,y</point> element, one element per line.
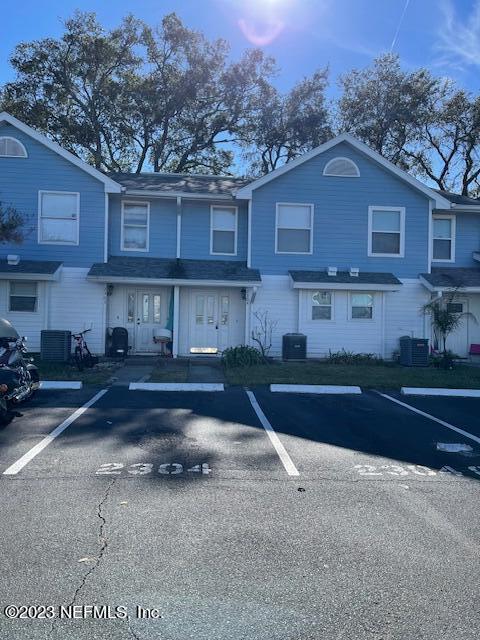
<point>321,305</point>
<point>23,296</point>
<point>223,230</point>
<point>341,168</point>
<point>443,238</point>
<point>11,148</point>
<point>361,306</point>
<point>294,225</point>
<point>135,226</point>
<point>59,217</point>
<point>386,231</point>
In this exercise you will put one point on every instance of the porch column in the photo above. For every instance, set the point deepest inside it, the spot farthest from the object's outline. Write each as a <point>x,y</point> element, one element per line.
<point>176,316</point>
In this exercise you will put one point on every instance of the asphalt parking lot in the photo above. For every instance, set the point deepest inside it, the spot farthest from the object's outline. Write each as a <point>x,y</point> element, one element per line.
<point>269,515</point>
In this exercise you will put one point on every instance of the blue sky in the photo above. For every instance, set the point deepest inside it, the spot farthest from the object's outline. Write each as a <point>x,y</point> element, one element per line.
<point>302,35</point>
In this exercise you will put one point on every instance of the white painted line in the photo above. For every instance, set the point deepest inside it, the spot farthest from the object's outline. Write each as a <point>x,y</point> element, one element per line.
<point>454,447</point>
<point>290,468</point>
<point>431,391</point>
<point>430,417</point>
<point>34,451</point>
<point>176,386</point>
<point>60,384</point>
<point>314,388</point>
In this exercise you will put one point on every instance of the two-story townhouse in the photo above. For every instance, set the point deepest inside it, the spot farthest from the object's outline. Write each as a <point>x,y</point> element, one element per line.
<point>339,244</point>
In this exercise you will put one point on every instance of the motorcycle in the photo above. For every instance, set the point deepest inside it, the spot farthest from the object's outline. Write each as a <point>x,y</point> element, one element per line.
<point>19,378</point>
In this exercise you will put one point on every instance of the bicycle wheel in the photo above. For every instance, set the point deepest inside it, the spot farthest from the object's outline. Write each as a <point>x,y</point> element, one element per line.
<point>79,358</point>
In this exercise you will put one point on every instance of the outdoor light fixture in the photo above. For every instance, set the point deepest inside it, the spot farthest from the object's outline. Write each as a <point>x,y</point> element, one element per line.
<point>109,289</point>
<point>243,293</point>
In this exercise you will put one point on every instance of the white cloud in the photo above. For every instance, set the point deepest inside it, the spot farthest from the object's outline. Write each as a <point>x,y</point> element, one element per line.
<point>459,37</point>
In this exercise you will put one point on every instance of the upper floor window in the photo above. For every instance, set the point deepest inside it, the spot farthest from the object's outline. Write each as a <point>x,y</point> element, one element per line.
<point>386,231</point>
<point>223,230</point>
<point>294,228</point>
<point>11,148</point>
<point>135,226</point>
<point>58,217</point>
<point>443,238</point>
<point>23,296</point>
<point>341,168</point>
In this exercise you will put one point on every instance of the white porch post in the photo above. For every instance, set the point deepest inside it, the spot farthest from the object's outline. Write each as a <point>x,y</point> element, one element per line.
<point>176,317</point>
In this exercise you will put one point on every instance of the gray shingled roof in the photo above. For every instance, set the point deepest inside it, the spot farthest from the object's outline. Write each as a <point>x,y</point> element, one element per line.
<point>173,269</point>
<point>344,277</point>
<point>453,277</point>
<point>43,267</point>
<point>179,183</point>
<point>456,198</point>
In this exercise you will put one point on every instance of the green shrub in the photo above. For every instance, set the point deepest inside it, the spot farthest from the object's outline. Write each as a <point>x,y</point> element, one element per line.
<point>349,357</point>
<point>241,356</point>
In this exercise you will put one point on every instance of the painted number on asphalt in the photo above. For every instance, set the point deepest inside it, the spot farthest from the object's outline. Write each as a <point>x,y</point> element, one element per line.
<point>370,470</point>
<point>145,468</point>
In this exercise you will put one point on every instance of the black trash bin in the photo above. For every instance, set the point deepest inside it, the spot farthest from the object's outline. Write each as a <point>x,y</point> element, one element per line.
<point>119,342</point>
<point>294,346</point>
<point>413,352</point>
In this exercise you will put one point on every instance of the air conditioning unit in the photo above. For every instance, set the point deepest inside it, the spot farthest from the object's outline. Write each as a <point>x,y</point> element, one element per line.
<point>55,346</point>
<point>414,352</point>
<point>354,271</point>
<point>332,271</point>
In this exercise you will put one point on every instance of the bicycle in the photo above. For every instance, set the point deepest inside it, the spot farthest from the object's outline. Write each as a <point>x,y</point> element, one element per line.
<point>82,356</point>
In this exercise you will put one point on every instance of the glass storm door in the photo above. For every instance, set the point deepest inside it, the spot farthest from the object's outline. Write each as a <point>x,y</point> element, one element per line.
<point>147,321</point>
<point>204,322</point>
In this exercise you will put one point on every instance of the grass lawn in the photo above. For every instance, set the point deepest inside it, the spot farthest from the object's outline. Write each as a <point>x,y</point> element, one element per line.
<point>63,371</point>
<point>388,376</point>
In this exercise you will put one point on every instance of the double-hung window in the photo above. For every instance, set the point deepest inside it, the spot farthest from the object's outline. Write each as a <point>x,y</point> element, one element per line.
<point>294,228</point>
<point>223,230</point>
<point>443,238</point>
<point>135,226</point>
<point>321,305</point>
<point>23,296</point>
<point>386,231</point>
<point>58,217</point>
<point>361,306</point>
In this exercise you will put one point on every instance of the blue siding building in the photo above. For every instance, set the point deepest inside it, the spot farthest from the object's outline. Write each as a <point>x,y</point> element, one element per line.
<point>339,244</point>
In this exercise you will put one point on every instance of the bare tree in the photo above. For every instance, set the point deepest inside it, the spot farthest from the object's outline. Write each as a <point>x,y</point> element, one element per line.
<point>262,333</point>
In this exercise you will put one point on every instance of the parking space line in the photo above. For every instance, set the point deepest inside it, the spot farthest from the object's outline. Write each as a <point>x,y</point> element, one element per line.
<point>290,468</point>
<point>34,451</point>
<point>430,417</point>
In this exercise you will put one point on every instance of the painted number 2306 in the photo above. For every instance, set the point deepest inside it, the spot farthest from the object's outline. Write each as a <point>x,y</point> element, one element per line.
<point>145,468</point>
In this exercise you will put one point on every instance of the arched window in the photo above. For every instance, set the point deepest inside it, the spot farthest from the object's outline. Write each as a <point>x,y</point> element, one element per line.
<point>11,148</point>
<point>341,168</point>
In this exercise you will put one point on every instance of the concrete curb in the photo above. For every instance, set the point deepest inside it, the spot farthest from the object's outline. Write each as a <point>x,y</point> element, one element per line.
<point>314,388</point>
<point>432,391</point>
<point>60,384</point>
<point>176,386</point>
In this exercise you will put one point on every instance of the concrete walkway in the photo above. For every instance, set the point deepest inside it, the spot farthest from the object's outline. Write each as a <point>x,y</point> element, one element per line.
<point>202,371</point>
<point>132,373</point>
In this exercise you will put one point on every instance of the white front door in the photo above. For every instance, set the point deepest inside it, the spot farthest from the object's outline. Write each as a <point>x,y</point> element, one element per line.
<point>209,321</point>
<point>148,319</point>
<point>458,341</point>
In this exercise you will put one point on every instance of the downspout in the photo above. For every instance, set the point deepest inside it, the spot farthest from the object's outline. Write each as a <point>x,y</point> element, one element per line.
<point>179,226</point>
<point>105,233</point>
<point>249,234</point>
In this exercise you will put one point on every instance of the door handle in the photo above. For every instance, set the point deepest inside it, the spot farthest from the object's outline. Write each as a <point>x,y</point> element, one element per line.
<point>216,326</point>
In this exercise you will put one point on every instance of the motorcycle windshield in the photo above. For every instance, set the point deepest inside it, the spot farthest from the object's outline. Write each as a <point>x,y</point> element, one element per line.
<point>7,330</point>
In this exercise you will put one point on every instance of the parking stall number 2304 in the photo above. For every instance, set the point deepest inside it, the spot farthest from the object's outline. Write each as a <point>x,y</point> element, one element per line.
<point>146,468</point>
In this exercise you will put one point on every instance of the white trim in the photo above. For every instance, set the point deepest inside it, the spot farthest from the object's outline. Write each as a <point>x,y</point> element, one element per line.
<point>176,386</point>
<point>309,294</point>
<point>179,226</point>
<point>39,219</point>
<point>345,286</point>
<point>314,388</point>
<point>105,232</point>
<point>453,231</point>
<point>340,175</point>
<point>110,185</point>
<point>383,327</point>
<point>136,203</point>
<point>223,253</point>
<point>430,235</point>
<point>350,307</point>
<point>440,201</point>
<point>176,320</point>
<point>249,235</point>
<point>38,277</point>
<point>185,195</point>
<point>401,211</point>
<point>312,213</point>
<point>146,282</point>
<point>25,154</point>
